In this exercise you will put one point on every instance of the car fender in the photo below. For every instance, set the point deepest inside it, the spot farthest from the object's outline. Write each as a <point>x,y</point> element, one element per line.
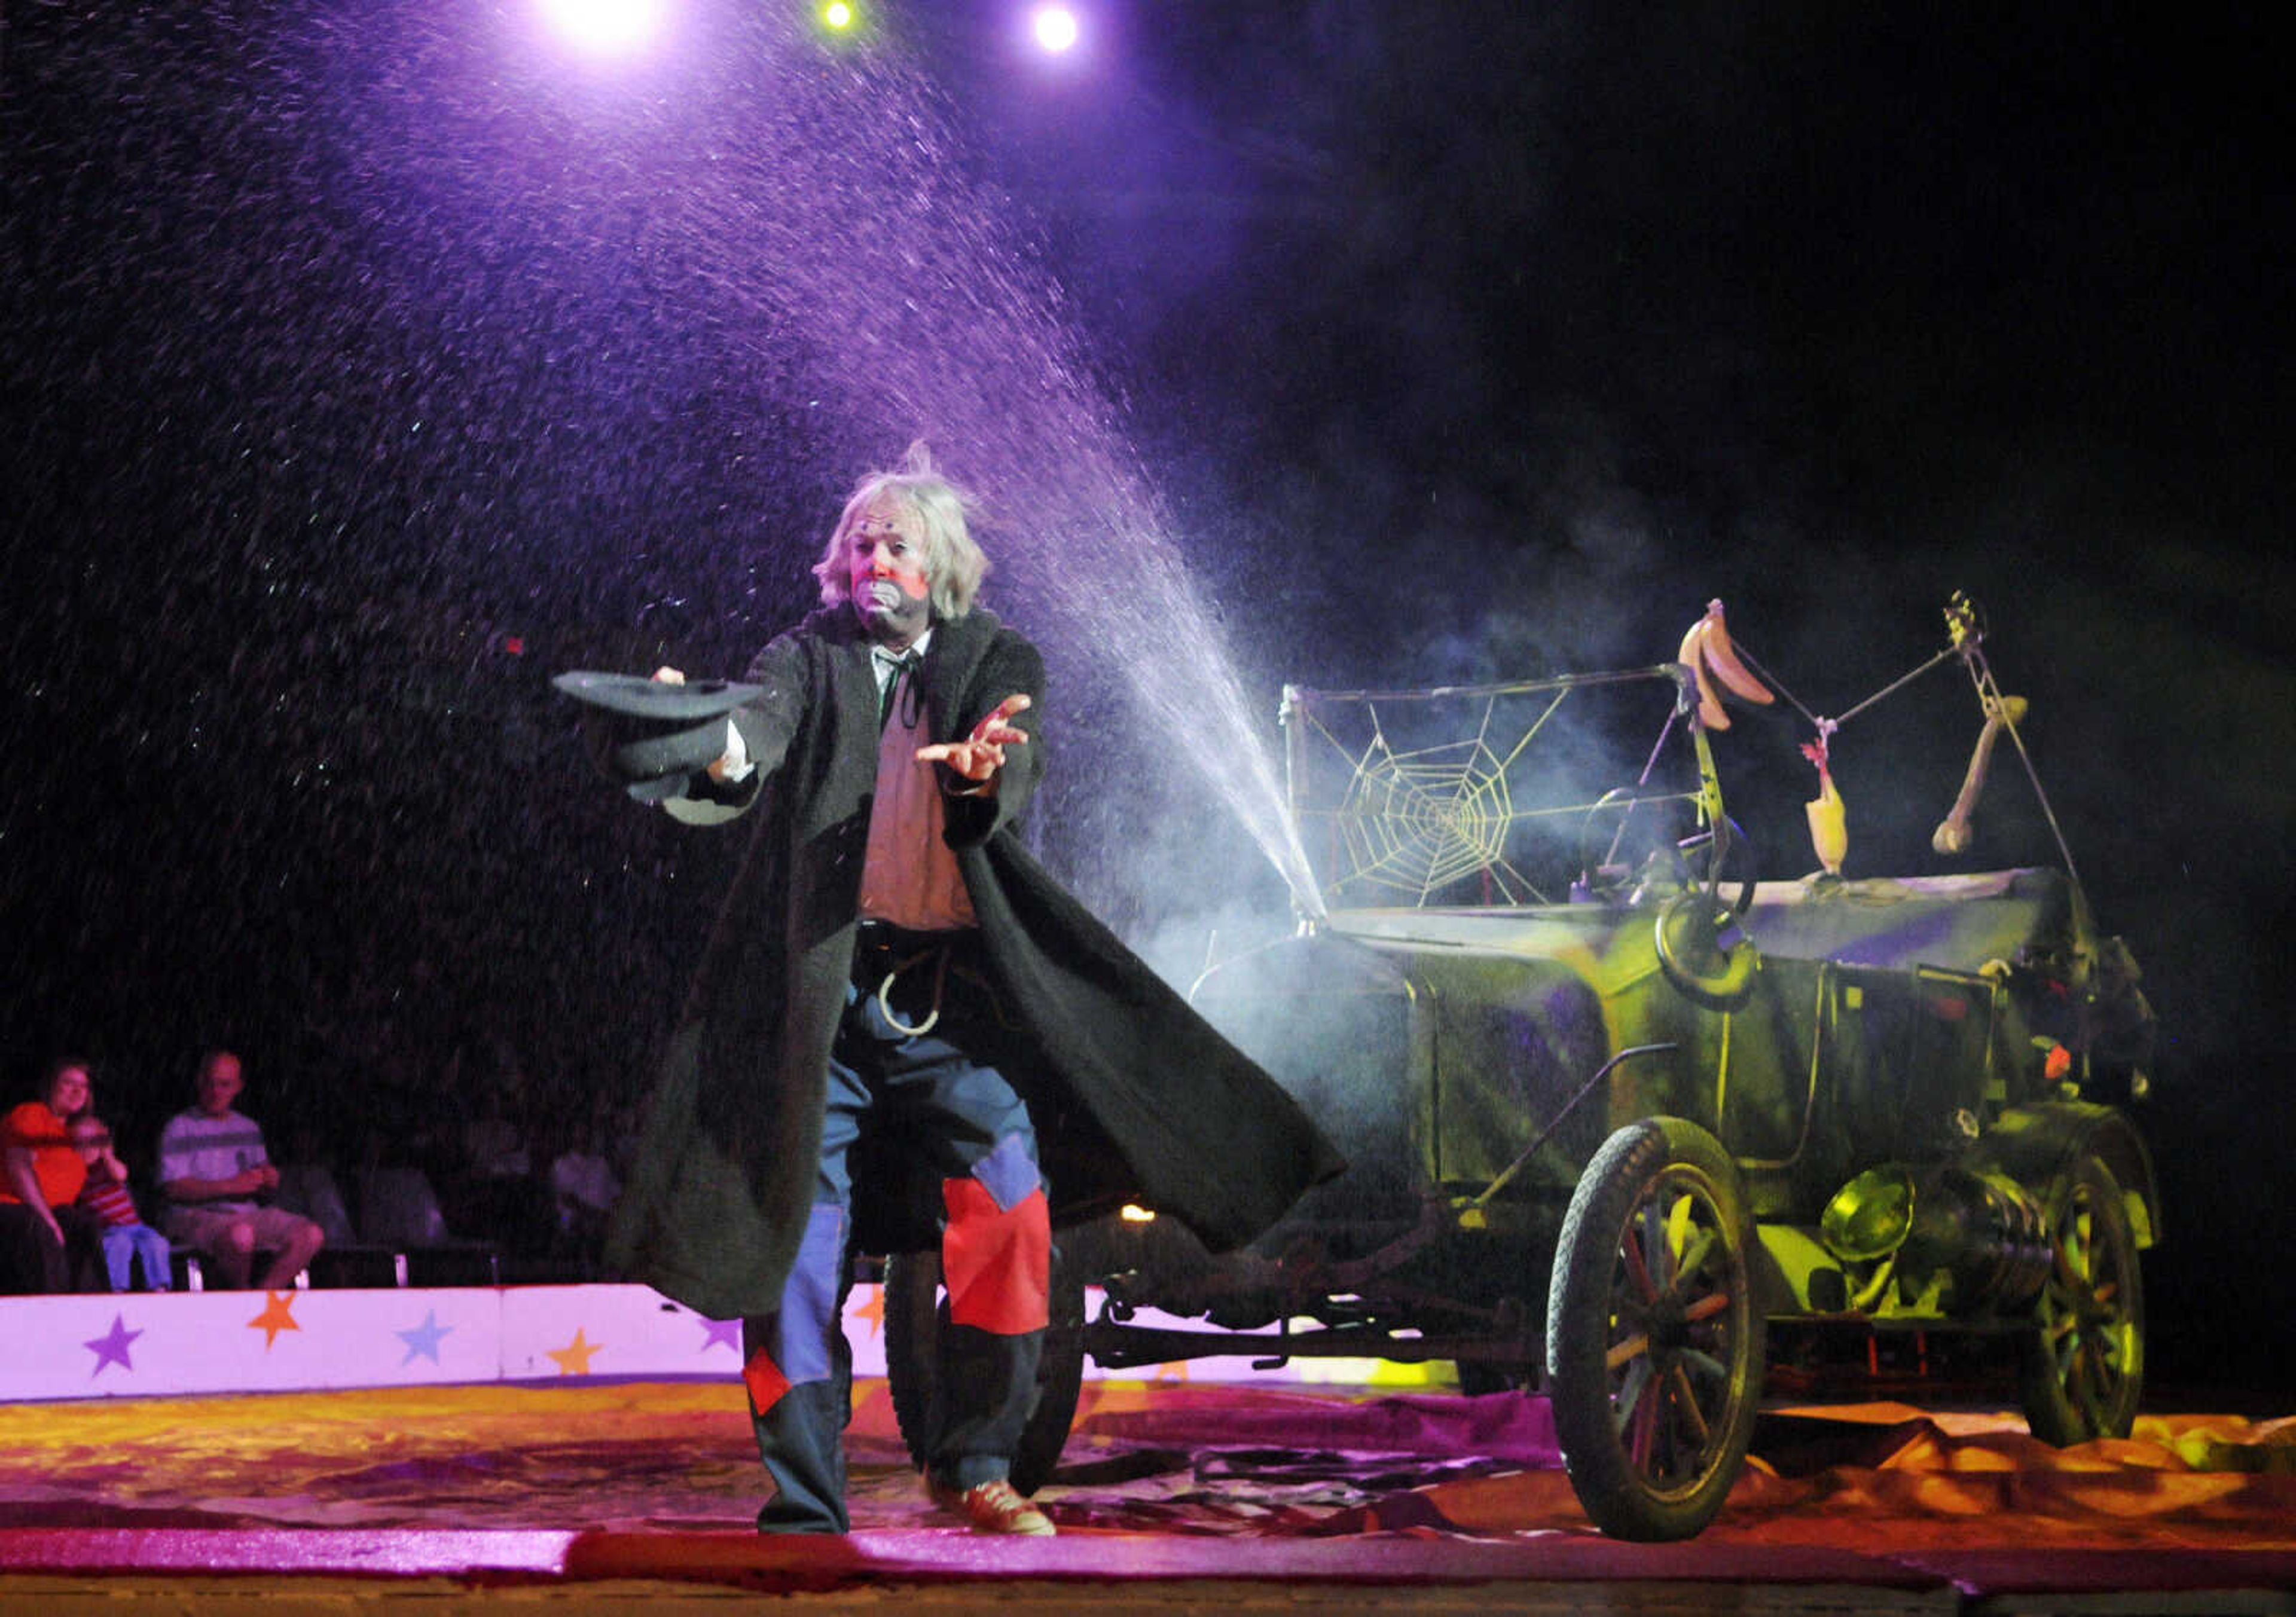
<point>2036,1146</point>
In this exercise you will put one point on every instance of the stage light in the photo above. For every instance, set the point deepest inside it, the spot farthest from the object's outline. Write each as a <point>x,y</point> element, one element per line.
<point>604,25</point>
<point>1055,27</point>
<point>844,24</point>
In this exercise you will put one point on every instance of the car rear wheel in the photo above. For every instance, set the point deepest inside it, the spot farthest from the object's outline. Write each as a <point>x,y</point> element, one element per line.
<point>1654,1343</point>
<point>2084,1360</point>
<point>916,1313</point>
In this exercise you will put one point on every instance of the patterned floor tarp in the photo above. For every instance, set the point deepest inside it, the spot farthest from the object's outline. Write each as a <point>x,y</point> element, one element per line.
<point>1236,1461</point>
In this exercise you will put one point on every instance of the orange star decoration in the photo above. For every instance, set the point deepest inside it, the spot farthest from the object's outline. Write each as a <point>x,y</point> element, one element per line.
<point>871,1308</point>
<point>574,1358</point>
<point>278,1315</point>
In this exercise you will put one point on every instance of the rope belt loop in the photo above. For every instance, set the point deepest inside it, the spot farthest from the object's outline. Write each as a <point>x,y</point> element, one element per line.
<point>940,956</point>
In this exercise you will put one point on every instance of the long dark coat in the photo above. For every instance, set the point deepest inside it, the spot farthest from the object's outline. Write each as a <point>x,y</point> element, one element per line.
<point>1134,1095</point>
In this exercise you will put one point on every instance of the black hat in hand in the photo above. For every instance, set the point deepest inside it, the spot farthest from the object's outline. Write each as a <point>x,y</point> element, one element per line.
<point>649,735</point>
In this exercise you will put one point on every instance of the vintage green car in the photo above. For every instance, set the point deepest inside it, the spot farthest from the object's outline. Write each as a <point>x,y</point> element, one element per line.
<point>1613,1111</point>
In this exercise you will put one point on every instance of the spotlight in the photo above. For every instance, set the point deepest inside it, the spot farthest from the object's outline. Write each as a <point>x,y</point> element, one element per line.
<point>844,24</point>
<point>1055,27</point>
<point>604,25</point>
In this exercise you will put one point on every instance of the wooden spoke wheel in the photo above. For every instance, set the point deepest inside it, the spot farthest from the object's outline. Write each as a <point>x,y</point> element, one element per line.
<point>1654,1348</point>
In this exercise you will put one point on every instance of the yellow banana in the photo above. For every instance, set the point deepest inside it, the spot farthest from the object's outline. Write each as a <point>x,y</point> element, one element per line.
<point>1707,650</point>
<point>1724,660</point>
<point>1694,655</point>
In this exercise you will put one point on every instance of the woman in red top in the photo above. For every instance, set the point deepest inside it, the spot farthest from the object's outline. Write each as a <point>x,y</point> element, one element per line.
<point>40,1179</point>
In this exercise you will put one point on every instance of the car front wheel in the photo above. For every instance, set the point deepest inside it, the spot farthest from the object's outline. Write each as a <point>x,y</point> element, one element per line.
<point>1654,1347</point>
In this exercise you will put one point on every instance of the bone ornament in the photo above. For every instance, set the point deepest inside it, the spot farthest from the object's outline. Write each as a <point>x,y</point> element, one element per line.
<point>1952,835</point>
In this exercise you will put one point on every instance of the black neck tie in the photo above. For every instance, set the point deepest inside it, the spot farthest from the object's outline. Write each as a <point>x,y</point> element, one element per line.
<point>900,667</point>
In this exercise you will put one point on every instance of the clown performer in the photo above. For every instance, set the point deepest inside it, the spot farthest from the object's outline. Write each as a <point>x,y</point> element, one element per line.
<point>902,1022</point>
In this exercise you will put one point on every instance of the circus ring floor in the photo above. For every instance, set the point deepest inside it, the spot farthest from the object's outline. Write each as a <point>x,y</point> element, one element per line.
<point>595,1492</point>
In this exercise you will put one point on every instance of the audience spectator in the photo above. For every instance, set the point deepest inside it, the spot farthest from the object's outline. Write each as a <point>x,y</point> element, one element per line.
<point>584,1190</point>
<point>493,1148</point>
<point>212,1167</point>
<point>495,1191</point>
<point>623,1134</point>
<point>41,1230</point>
<point>307,1184</point>
<point>111,1207</point>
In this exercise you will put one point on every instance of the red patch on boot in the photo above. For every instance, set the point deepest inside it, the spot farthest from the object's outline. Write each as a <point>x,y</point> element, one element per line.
<point>997,1264</point>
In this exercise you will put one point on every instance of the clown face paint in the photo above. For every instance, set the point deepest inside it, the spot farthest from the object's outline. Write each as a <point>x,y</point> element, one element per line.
<point>885,568</point>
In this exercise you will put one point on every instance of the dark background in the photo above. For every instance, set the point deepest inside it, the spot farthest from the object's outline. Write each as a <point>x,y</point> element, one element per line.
<point>364,365</point>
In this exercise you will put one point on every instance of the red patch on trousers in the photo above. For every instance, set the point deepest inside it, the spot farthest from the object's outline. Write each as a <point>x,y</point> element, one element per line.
<point>764,1380</point>
<point>997,1264</point>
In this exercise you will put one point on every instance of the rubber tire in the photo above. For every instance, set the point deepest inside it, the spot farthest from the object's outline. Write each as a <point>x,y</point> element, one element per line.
<point>915,1312</point>
<point>2082,1366</point>
<point>1674,1494</point>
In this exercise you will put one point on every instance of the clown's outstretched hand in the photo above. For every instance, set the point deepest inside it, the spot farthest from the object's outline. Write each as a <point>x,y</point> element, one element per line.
<point>981,754</point>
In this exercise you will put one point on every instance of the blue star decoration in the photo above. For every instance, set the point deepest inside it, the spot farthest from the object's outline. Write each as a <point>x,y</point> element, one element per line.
<point>721,1331</point>
<point>424,1338</point>
<point>112,1347</point>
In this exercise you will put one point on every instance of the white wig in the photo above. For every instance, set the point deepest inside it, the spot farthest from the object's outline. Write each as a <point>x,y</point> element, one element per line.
<point>953,564</point>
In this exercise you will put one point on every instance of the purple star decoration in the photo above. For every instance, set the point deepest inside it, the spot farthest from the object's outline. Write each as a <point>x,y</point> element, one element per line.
<point>726,1331</point>
<point>112,1347</point>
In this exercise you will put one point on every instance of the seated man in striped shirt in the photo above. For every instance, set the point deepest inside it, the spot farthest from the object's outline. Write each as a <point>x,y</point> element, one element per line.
<point>212,1168</point>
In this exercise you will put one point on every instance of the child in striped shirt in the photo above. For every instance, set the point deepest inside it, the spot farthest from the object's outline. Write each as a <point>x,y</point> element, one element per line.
<point>126,1236</point>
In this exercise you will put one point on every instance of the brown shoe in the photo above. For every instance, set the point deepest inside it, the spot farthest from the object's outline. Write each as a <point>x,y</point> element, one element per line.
<point>993,1506</point>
